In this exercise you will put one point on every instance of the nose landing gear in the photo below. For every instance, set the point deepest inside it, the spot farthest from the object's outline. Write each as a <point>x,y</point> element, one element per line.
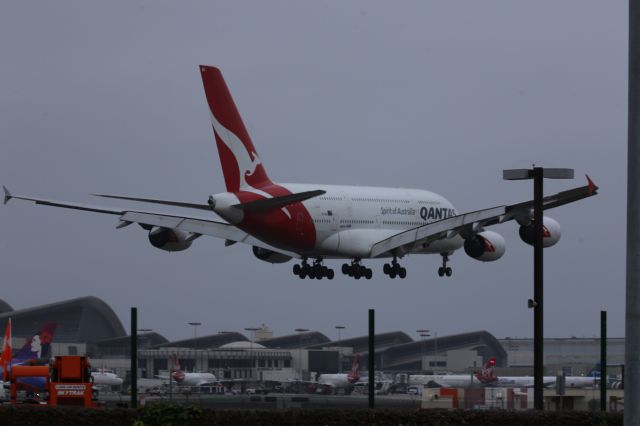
<point>356,270</point>
<point>394,269</point>
<point>317,270</point>
<point>444,269</point>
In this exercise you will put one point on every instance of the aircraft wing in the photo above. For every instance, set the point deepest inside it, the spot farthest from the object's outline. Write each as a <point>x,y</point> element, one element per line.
<point>192,225</point>
<point>468,223</point>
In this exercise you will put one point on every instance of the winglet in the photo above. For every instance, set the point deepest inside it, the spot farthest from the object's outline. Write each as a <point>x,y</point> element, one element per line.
<point>592,186</point>
<point>7,194</point>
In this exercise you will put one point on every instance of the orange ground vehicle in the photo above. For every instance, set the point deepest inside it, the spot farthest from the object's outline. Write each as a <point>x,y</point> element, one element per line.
<point>67,379</point>
<point>71,381</point>
<point>26,371</point>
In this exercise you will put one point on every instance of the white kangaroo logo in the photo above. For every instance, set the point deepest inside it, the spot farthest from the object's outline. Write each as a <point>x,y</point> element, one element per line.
<point>247,166</point>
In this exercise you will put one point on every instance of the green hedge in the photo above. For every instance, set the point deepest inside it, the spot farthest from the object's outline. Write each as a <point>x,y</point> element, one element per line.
<point>173,415</point>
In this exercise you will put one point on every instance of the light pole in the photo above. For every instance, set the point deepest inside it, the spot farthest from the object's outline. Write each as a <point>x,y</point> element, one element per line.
<point>195,336</point>
<point>423,332</point>
<point>300,330</point>
<point>339,328</point>
<point>435,343</point>
<point>537,174</point>
<point>195,328</point>
<point>253,336</point>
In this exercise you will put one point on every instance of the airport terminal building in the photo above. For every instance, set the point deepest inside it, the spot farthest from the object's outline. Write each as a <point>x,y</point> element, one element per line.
<point>88,325</point>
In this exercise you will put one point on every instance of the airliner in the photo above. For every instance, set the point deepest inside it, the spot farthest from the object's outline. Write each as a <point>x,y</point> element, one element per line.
<point>340,381</point>
<point>312,223</point>
<point>104,377</point>
<point>455,380</point>
<point>189,379</point>
<point>547,381</point>
<point>489,378</point>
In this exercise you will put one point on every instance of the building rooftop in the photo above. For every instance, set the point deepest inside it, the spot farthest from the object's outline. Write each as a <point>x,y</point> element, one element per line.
<point>84,319</point>
<point>5,307</point>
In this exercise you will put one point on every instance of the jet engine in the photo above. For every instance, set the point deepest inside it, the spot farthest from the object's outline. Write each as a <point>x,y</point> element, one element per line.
<point>486,246</point>
<point>550,232</point>
<point>168,239</point>
<point>270,256</point>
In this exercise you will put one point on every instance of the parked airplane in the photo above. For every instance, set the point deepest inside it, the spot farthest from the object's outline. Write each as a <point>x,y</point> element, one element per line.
<point>104,377</point>
<point>317,222</point>
<point>189,379</point>
<point>340,381</point>
<point>488,378</point>
<point>454,380</point>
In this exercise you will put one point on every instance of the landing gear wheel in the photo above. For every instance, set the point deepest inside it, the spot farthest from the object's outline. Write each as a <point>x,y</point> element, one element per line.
<point>330,274</point>
<point>345,268</point>
<point>356,273</point>
<point>444,269</point>
<point>368,273</point>
<point>394,269</point>
<point>297,269</point>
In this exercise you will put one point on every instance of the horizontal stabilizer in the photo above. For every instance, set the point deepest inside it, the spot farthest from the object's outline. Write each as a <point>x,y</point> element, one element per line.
<point>7,194</point>
<point>155,201</point>
<point>265,204</point>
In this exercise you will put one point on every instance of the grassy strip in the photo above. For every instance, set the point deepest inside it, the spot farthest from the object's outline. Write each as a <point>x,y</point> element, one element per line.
<point>174,415</point>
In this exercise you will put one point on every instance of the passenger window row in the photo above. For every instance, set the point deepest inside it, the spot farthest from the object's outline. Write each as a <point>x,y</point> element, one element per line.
<point>380,200</point>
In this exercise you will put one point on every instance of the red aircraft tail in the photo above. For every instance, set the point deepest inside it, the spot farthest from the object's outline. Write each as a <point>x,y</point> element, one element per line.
<point>487,374</point>
<point>5,354</point>
<point>178,374</point>
<point>241,165</point>
<point>354,376</point>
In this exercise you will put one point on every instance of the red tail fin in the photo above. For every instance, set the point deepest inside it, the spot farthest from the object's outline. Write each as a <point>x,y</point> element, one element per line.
<point>5,353</point>
<point>487,375</point>
<point>354,376</point>
<point>176,364</point>
<point>241,165</point>
<point>178,374</point>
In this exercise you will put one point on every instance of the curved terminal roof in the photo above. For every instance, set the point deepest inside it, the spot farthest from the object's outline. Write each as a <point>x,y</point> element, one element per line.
<point>408,356</point>
<point>85,319</point>
<point>121,346</point>
<point>361,344</point>
<point>5,307</point>
<point>242,345</point>
<point>299,340</point>
<point>206,342</point>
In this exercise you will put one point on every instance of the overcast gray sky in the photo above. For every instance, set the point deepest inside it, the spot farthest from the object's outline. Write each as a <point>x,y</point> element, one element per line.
<point>107,97</point>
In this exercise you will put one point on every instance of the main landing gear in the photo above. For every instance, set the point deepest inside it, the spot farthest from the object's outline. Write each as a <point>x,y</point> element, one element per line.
<point>444,269</point>
<point>317,270</point>
<point>356,270</point>
<point>394,269</point>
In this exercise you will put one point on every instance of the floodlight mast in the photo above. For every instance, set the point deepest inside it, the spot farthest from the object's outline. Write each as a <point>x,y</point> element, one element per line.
<point>538,174</point>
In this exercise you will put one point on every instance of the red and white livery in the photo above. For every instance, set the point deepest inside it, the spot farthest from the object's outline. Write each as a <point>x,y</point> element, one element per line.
<point>313,223</point>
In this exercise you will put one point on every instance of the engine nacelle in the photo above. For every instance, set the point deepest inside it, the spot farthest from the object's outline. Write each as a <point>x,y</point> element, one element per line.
<point>270,256</point>
<point>486,246</point>
<point>550,232</point>
<point>168,239</point>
